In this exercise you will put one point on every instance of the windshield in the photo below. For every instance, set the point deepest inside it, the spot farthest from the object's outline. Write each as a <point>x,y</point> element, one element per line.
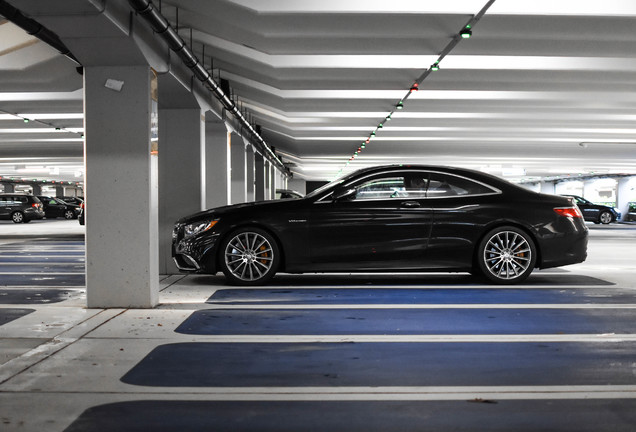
<point>323,188</point>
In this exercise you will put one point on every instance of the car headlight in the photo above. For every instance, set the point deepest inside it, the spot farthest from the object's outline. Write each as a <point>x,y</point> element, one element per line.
<point>198,227</point>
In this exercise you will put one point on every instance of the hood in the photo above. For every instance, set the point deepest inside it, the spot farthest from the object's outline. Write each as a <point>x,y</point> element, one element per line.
<point>220,211</point>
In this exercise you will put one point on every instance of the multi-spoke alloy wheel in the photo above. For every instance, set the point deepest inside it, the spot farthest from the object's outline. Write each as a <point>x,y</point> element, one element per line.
<point>250,257</point>
<point>507,255</point>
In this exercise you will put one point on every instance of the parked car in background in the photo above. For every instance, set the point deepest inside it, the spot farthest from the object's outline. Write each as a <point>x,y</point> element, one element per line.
<point>631,213</point>
<point>72,200</point>
<point>20,208</point>
<point>595,212</point>
<point>55,207</point>
<point>287,193</point>
<point>80,217</point>
<point>389,218</point>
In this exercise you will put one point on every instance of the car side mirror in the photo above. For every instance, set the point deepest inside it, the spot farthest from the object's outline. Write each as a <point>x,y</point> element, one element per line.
<point>342,194</point>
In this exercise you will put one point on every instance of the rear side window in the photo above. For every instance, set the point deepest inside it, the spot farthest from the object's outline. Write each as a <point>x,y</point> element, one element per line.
<point>443,185</point>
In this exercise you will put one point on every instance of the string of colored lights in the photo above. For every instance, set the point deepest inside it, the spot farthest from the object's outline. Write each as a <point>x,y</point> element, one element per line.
<point>464,33</point>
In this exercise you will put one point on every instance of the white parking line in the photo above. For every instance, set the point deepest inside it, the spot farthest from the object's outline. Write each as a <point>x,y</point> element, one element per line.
<point>440,338</point>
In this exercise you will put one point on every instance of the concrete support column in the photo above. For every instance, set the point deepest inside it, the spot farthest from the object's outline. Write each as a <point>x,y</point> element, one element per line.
<point>122,256</point>
<point>181,139</point>
<point>625,193</point>
<point>8,187</point>
<point>216,163</point>
<point>298,184</point>
<point>59,191</point>
<point>238,169</point>
<point>250,172</point>
<point>548,188</point>
<point>37,189</point>
<point>272,179</point>
<point>587,188</point>
<point>260,180</point>
<point>268,181</point>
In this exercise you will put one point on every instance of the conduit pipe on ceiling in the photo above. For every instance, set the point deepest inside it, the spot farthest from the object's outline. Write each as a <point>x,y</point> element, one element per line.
<point>36,29</point>
<point>160,25</point>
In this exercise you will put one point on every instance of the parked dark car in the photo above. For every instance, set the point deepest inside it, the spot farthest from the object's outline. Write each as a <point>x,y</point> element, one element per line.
<point>390,218</point>
<point>20,208</point>
<point>595,212</point>
<point>72,200</point>
<point>631,213</point>
<point>287,193</point>
<point>82,214</point>
<point>55,207</point>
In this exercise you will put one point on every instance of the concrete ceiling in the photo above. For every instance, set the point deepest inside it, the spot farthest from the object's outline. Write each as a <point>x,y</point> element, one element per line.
<point>541,89</point>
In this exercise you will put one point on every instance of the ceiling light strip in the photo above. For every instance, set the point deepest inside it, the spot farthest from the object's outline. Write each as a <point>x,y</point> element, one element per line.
<point>464,33</point>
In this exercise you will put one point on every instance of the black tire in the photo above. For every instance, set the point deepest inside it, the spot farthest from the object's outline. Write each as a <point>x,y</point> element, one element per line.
<point>605,217</point>
<point>69,214</point>
<point>506,255</point>
<point>17,217</point>
<point>249,256</point>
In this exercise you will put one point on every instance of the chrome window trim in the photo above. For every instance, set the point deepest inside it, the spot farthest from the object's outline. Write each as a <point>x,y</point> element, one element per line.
<point>495,191</point>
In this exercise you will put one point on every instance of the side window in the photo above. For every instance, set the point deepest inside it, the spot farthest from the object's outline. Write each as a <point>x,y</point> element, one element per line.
<point>381,188</point>
<point>443,185</point>
<point>22,200</point>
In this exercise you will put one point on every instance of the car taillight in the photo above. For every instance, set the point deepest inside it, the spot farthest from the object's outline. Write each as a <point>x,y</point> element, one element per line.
<point>572,212</point>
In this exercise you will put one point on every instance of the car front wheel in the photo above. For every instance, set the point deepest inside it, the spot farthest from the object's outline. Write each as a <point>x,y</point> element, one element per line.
<point>250,256</point>
<point>506,255</point>
<point>17,217</point>
<point>605,217</point>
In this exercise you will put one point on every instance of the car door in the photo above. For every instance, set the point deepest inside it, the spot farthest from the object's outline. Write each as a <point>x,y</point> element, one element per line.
<point>382,224</point>
<point>4,207</point>
<point>461,208</point>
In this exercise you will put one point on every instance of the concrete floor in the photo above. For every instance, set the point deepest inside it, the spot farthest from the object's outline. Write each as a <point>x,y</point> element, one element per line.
<point>438,352</point>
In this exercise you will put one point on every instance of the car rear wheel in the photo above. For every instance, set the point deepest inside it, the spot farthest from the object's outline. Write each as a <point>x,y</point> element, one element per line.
<point>17,217</point>
<point>250,256</point>
<point>69,214</point>
<point>605,217</point>
<point>506,255</point>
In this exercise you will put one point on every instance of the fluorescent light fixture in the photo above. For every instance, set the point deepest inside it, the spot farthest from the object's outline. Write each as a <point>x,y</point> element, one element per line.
<point>466,7</point>
<point>32,169</point>
<point>52,116</point>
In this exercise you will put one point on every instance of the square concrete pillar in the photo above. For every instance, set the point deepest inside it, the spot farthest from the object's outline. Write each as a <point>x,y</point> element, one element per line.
<point>217,163</point>
<point>250,173</point>
<point>268,180</point>
<point>259,180</point>
<point>181,140</point>
<point>238,161</point>
<point>548,188</point>
<point>121,188</point>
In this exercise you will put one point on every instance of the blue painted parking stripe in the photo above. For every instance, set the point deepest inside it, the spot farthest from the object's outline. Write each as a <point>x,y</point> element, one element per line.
<point>414,296</point>
<point>407,321</point>
<point>397,415</point>
<point>381,364</point>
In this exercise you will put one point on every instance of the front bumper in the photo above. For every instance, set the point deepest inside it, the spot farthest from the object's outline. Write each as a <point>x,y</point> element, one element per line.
<point>195,254</point>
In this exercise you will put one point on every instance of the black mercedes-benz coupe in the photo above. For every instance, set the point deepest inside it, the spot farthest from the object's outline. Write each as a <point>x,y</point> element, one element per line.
<point>388,218</point>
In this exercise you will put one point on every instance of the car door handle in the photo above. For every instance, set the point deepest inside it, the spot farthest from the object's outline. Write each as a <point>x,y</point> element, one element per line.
<point>409,204</point>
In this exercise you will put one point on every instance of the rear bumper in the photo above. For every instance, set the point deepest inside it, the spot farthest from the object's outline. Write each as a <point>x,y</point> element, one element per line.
<point>565,246</point>
<point>31,214</point>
